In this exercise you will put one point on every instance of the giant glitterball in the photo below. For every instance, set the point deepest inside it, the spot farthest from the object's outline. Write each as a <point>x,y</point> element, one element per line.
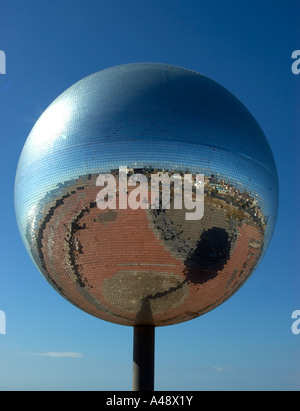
<point>146,265</point>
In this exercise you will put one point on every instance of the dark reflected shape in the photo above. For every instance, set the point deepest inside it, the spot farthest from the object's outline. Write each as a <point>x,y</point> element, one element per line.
<point>144,315</point>
<point>209,257</point>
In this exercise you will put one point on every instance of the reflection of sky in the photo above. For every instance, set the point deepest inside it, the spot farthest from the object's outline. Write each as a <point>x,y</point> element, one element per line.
<point>167,118</point>
<point>187,157</point>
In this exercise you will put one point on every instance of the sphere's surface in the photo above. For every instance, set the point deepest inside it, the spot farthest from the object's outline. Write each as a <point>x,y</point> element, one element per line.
<point>146,266</point>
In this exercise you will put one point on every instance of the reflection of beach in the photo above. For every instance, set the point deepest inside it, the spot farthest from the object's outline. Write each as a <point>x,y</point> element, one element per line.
<point>240,205</point>
<point>115,263</point>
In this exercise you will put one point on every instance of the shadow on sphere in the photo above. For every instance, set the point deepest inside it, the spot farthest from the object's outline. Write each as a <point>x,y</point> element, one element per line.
<point>209,257</point>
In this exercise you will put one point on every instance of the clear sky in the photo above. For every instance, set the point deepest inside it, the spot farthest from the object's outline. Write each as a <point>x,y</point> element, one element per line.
<point>246,46</point>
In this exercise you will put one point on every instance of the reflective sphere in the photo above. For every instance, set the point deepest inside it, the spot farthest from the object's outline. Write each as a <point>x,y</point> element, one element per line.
<point>146,266</point>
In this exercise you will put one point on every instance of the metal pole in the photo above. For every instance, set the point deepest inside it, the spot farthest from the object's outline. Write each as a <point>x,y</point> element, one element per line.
<point>143,358</point>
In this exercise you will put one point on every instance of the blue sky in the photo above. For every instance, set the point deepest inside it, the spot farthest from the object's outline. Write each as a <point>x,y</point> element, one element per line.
<point>245,344</point>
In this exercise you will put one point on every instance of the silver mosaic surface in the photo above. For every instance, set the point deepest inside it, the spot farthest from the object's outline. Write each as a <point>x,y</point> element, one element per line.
<point>146,266</point>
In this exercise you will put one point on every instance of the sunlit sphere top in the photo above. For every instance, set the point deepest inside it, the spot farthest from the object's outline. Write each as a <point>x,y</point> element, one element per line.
<point>146,266</point>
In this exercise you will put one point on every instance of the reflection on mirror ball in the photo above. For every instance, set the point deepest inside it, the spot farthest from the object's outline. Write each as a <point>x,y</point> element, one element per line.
<point>146,266</point>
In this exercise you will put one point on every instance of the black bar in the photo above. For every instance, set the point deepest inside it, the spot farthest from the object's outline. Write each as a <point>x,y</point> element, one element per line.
<point>143,358</point>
